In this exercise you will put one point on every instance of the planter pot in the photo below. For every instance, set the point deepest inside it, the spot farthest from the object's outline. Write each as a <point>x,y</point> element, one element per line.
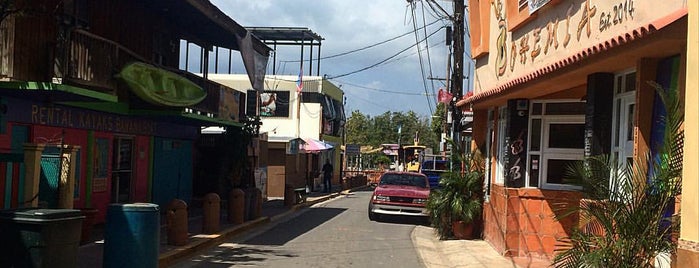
<point>462,230</point>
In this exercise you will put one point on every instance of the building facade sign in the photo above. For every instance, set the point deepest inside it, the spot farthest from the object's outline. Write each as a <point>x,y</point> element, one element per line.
<point>53,115</point>
<point>563,31</point>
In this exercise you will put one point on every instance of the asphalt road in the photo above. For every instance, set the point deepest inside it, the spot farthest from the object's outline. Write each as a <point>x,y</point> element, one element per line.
<point>336,233</point>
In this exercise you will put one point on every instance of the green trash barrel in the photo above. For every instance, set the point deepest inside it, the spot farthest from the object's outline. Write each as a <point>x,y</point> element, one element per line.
<point>131,235</point>
<point>39,237</point>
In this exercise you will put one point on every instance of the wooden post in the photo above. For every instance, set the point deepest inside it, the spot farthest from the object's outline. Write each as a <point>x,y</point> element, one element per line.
<point>66,185</point>
<point>32,172</point>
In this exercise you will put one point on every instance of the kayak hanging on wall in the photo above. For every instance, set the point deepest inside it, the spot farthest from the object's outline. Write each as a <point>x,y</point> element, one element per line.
<point>161,87</point>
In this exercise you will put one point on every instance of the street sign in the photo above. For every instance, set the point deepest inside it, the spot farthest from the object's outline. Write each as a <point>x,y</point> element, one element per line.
<point>351,149</point>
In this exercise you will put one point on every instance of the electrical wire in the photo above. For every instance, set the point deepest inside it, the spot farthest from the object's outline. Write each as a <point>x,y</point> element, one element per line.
<point>427,48</point>
<point>422,66</point>
<point>382,61</point>
<point>366,47</point>
<point>373,103</point>
<point>379,90</point>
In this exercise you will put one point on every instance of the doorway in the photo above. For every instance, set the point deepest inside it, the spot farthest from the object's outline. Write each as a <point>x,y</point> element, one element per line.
<point>122,170</point>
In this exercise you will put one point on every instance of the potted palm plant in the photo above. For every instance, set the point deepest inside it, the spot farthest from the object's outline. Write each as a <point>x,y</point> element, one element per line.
<point>627,214</point>
<point>458,202</point>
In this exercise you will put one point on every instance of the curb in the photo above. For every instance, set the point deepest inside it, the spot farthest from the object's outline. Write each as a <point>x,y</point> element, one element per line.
<point>171,257</point>
<point>203,241</point>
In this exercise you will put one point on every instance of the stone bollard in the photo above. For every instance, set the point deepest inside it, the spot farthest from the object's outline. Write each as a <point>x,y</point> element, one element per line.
<point>289,195</point>
<point>177,223</point>
<point>257,208</point>
<point>236,206</point>
<point>212,213</point>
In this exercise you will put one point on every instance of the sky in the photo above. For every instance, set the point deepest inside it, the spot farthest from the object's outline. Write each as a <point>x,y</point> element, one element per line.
<point>397,83</point>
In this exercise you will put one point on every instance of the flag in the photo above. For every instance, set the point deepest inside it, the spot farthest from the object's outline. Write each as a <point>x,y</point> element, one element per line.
<point>399,129</point>
<point>444,96</point>
<point>299,83</point>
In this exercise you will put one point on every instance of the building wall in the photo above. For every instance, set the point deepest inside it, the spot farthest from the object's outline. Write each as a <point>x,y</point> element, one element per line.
<point>549,55</point>
<point>522,222</point>
<point>276,172</point>
<point>688,248</point>
<point>557,31</point>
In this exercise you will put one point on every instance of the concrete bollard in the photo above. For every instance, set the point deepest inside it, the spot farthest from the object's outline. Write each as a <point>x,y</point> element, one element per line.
<point>212,213</point>
<point>289,195</point>
<point>257,208</point>
<point>177,223</point>
<point>236,206</point>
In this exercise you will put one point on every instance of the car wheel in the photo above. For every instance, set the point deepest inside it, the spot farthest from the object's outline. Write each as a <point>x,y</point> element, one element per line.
<point>372,215</point>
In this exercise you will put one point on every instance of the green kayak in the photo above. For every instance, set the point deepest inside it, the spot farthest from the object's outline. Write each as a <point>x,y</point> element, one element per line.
<point>161,87</point>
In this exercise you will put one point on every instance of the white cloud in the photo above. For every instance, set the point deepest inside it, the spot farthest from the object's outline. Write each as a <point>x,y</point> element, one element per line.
<point>349,25</point>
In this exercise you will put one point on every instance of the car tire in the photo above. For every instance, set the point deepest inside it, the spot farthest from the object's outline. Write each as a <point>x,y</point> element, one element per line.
<point>372,215</point>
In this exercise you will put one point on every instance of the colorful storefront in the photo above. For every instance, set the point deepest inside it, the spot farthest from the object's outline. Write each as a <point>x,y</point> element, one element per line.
<point>119,158</point>
<point>555,82</point>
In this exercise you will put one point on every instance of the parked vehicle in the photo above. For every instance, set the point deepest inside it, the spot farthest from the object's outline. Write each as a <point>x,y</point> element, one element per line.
<point>433,166</point>
<point>400,193</point>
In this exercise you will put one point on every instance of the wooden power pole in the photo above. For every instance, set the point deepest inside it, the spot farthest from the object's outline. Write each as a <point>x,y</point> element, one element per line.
<point>457,76</point>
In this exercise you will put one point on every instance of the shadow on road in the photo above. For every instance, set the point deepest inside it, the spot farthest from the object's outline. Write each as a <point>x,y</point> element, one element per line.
<point>285,232</point>
<point>227,254</point>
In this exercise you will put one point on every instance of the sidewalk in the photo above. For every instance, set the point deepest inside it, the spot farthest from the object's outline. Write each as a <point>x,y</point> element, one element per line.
<point>90,255</point>
<point>437,253</point>
<point>432,251</point>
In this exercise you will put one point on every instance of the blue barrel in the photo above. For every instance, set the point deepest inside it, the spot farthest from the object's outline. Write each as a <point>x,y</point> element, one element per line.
<point>132,235</point>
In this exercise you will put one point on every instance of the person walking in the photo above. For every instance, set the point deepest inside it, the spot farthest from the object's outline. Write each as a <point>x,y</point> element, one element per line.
<point>327,176</point>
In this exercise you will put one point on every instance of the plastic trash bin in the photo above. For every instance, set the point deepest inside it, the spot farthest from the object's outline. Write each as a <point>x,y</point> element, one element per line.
<point>131,235</point>
<point>40,237</point>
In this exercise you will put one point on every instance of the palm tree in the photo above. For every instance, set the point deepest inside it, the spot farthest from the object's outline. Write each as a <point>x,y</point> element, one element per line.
<point>628,216</point>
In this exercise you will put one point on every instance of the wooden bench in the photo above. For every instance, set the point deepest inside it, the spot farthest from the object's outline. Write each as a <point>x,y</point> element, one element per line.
<point>301,195</point>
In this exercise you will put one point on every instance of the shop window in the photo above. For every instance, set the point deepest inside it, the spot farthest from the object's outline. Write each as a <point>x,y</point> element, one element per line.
<point>557,141</point>
<point>274,104</point>
<point>479,20</point>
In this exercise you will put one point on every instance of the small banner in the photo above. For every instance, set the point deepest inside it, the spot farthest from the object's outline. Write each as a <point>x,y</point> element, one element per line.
<point>444,96</point>
<point>534,5</point>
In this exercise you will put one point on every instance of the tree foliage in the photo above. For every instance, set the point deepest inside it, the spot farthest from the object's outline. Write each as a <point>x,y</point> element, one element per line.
<point>383,128</point>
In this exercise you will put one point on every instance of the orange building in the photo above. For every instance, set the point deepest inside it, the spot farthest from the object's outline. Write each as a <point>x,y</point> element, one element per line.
<point>556,81</point>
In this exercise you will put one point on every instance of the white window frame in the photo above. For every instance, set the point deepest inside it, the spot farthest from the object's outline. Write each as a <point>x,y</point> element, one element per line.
<point>502,127</point>
<point>545,152</point>
<point>489,141</point>
<point>548,153</point>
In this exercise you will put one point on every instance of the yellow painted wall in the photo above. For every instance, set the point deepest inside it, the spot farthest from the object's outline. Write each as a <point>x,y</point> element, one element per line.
<point>690,187</point>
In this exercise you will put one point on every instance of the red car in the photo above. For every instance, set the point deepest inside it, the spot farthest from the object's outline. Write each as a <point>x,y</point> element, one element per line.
<point>400,193</point>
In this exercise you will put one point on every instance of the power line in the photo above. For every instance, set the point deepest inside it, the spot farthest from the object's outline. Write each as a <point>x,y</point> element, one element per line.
<point>382,61</point>
<point>367,47</point>
<point>380,90</point>
<point>427,48</point>
<point>422,66</point>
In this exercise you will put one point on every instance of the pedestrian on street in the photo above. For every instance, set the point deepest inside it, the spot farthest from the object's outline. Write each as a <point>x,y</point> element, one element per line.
<point>327,176</point>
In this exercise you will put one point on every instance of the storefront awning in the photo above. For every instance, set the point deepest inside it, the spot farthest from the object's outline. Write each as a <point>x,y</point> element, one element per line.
<point>310,145</point>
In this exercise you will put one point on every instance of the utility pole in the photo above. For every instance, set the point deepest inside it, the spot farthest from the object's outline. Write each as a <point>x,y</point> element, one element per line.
<point>457,77</point>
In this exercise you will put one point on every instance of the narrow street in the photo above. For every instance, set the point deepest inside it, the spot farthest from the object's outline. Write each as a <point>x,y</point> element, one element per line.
<point>336,233</point>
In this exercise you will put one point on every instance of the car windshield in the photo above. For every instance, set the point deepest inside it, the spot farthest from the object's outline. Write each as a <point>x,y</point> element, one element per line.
<point>403,179</point>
